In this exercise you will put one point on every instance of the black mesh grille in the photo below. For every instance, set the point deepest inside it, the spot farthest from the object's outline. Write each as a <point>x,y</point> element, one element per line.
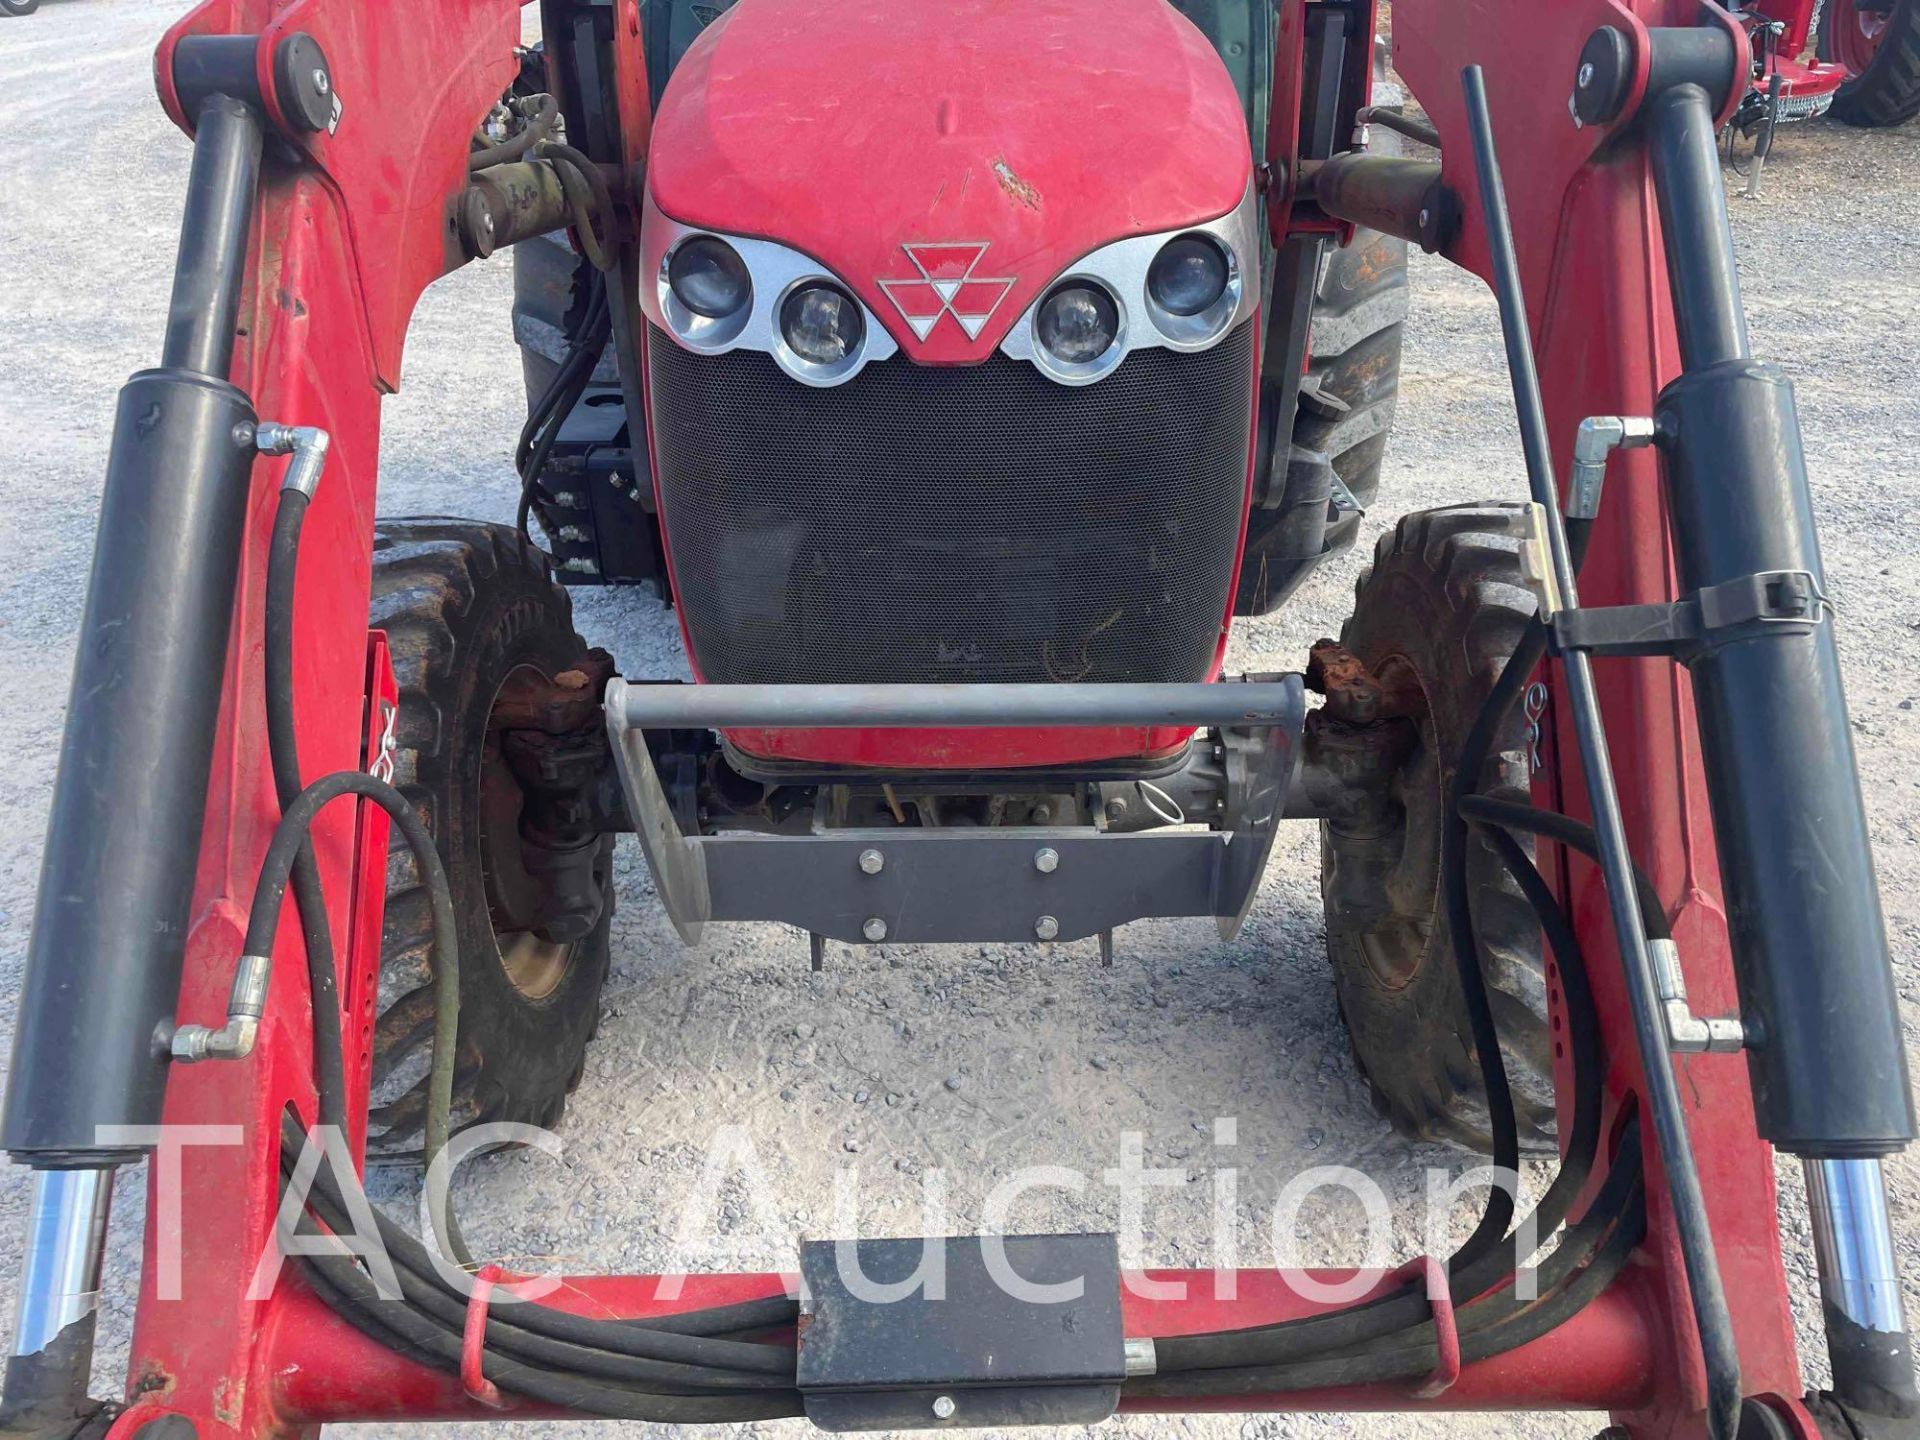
<point>968,524</point>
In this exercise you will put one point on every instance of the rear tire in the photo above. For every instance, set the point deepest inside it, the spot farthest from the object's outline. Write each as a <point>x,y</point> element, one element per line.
<point>466,606</point>
<point>1349,392</point>
<point>19,7</point>
<point>1359,315</point>
<point>1884,86</point>
<point>1444,606</point>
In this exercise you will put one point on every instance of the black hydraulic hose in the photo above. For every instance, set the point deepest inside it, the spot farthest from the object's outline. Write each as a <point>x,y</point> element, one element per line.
<point>1477,1265</point>
<point>1590,1258</point>
<point>263,922</point>
<point>1456,901</point>
<point>632,1351</point>
<point>689,1342</point>
<point>549,413</point>
<point>1457,906</point>
<point>1575,835</point>
<point>323,976</point>
<point>538,127</point>
<point>562,1334</point>
<point>742,1317</point>
<point>352,1294</point>
<point>1389,117</point>
<point>589,198</point>
<point>541,411</point>
<point>507,1339</point>
<point>1469,1276</point>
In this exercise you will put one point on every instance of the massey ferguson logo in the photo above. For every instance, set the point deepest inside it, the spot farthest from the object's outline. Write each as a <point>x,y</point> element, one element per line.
<point>945,284</point>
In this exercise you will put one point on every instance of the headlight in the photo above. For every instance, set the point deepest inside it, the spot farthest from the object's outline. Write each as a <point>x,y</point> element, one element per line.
<point>821,324</point>
<point>1077,323</point>
<point>709,278</point>
<point>1189,275</point>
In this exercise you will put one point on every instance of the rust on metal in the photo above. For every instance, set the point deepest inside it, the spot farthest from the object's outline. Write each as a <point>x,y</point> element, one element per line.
<point>1354,693</point>
<point>568,702</point>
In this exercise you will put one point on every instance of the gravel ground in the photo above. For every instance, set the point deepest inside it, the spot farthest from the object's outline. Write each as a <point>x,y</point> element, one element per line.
<point>901,1060</point>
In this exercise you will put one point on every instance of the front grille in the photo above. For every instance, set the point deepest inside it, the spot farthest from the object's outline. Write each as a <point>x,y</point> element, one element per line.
<point>952,524</point>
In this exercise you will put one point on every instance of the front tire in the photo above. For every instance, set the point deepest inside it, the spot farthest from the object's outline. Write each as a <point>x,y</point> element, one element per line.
<point>19,7</point>
<point>468,607</point>
<point>1882,52</point>
<point>1439,613</point>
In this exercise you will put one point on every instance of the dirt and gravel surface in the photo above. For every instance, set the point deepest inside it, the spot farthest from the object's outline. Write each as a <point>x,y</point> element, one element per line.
<point>903,1061</point>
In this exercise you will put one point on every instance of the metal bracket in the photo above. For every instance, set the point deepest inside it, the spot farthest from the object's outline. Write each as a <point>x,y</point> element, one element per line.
<point>1010,884</point>
<point>1788,601</point>
<point>878,1351</point>
<point>1537,570</point>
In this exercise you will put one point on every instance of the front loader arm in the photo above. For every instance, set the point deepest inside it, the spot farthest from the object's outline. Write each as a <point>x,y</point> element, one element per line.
<point>1633,310</point>
<point>347,225</point>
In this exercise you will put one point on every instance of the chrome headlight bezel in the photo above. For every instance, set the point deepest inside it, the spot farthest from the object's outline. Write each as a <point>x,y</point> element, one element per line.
<point>706,333</point>
<point>1204,326</point>
<point>1079,372</point>
<point>818,372</point>
<point>1122,269</point>
<point>776,272</point>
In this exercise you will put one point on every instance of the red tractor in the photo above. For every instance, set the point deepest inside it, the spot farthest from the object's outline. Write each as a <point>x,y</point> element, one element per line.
<point>959,370</point>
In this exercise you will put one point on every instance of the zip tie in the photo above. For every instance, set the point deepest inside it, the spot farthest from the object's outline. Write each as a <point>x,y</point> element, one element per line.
<point>473,1339</point>
<point>1446,1333</point>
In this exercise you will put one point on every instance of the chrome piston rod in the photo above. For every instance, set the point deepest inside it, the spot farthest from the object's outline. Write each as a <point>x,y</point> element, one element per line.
<point>66,1240</point>
<point>1853,1243</point>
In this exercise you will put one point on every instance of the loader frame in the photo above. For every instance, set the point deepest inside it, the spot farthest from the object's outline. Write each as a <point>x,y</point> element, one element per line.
<point>352,226</point>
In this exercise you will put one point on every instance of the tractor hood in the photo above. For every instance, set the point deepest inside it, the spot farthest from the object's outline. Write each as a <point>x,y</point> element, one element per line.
<point>969,151</point>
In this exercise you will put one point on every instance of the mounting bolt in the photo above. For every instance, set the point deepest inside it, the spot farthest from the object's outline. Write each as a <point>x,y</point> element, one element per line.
<point>1046,860</point>
<point>875,929</point>
<point>943,1407</point>
<point>1584,76</point>
<point>1046,927</point>
<point>1426,217</point>
<point>872,862</point>
<point>1116,807</point>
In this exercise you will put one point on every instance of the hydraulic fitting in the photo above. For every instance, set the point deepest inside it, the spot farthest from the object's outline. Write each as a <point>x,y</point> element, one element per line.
<point>1598,437</point>
<point>307,444</point>
<point>1688,1033</point>
<point>246,1003</point>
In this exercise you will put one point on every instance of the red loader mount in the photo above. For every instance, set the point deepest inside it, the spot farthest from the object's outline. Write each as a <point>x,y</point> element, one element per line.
<point>959,369</point>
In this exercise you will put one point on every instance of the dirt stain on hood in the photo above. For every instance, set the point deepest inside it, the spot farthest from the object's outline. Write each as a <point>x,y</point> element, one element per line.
<point>1019,189</point>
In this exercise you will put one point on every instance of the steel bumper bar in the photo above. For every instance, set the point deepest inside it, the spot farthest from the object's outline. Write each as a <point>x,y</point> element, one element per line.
<point>963,885</point>
<point>1264,702</point>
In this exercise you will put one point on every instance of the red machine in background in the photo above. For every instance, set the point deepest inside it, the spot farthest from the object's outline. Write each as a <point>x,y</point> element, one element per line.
<point>1856,59</point>
<point>959,369</point>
